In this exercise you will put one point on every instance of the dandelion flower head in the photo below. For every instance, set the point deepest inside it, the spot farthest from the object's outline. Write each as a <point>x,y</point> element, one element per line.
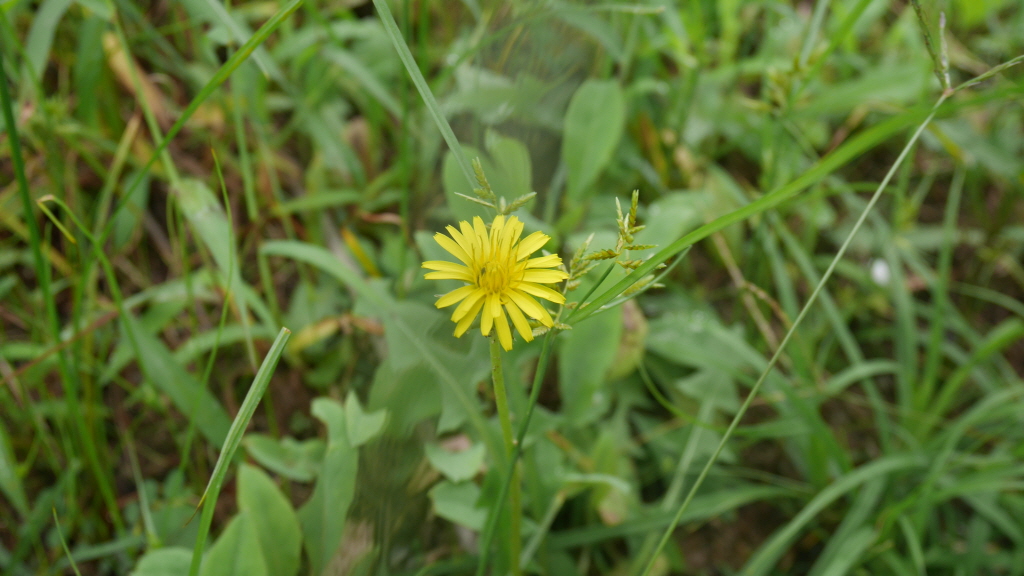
<point>500,277</point>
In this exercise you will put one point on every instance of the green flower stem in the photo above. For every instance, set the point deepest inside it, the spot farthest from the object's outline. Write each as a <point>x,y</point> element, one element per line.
<point>500,397</point>
<point>492,519</point>
<point>505,418</point>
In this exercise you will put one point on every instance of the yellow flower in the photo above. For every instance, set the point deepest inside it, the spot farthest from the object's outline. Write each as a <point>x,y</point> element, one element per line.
<point>498,273</point>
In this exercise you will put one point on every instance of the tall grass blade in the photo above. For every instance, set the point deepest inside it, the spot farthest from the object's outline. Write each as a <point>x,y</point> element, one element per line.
<point>234,438</point>
<point>424,89</point>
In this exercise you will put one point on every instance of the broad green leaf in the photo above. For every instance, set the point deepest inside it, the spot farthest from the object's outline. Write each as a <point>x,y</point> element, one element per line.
<point>362,426</point>
<point>456,466</point>
<point>508,168</point>
<point>323,516</point>
<point>594,124</point>
<point>974,11</point>
<point>126,222</point>
<point>455,184</point>
<point>236,552</point>
<point>495,99</point>
<point>585,355</point>
<point>272,516</point>
<point>710,385</point>
<point>39,42</point>
<point>419,335</point>
<point>164,562</point>
<point>88,71</point>
<point>288,457</point>
<point>876,86</point>
<point>156,317</point>
<point>458,503</point>
<point>513,170</point>
<point>696,338</point>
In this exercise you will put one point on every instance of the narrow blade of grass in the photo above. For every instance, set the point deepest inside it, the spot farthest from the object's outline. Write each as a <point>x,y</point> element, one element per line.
<point>234,438</point>
<point>424,89</point>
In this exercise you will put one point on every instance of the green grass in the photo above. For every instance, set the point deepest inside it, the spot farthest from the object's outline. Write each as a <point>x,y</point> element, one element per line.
<point>826,378</point>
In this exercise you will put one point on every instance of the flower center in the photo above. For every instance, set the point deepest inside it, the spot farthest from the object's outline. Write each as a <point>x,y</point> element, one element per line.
<point>494,277</point>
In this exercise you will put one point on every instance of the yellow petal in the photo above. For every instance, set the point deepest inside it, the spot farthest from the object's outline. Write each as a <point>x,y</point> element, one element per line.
<point>494,301</point>
<point>464,276</point>
<point>454,296</point>
<point>444,266</point>
<point>481,234</point>
<point>515,226</point>
<point>531,307</point>
<point>544,276</point>
<point>463,242</point>
<point>496,227</point>
<point>468,304</point>
<point>522,326</point>
<point>452,246</point>
<point>467,320</point>
<point>541,292</point>
<point>472,242</point>
<point>504,334</point>
<point>531,244</point>
<point>549,261</point>
<point>487,315</point>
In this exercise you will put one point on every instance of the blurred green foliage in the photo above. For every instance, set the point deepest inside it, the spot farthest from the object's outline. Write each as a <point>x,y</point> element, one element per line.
<point>885,441</point>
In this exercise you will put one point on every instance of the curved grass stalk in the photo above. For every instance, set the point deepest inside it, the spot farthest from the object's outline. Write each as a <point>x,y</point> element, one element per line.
<point>789,335</point>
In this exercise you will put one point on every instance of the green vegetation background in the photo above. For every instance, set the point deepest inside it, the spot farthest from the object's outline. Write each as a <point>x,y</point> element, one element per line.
<point>190,177</point>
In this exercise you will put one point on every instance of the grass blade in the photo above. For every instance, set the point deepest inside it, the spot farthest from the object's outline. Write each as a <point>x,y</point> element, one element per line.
<point>234,438</point>
<point>421,85</point>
